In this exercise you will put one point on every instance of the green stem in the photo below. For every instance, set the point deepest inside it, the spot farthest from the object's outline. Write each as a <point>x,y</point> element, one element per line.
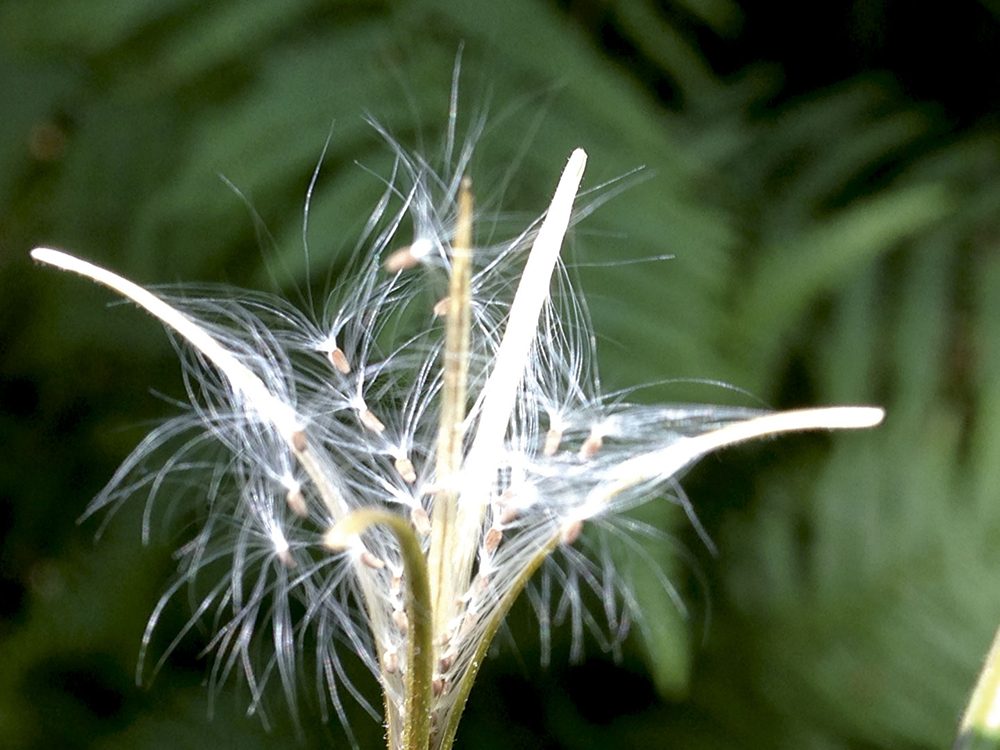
<point>465,686</point>
<point>420,651</point>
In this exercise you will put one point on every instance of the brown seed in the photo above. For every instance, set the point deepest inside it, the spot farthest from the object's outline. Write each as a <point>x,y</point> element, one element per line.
<point>369,420</point>
<point>468,623</point>
<point>420,520</point>
<point>508,514</point>
<point>571,532</point>
<point>285,555</point>
<point>401,260</point>
<point>339,360</point>
<point>445,662</point>
<point>479,584</point>
<point>451,629</point>
<point>404,467</point>
<point>492,540</point>
<point>552,439</point>
<point>297,503</point>
<point>390,662</point>
<point>441,307</point>
<point>440,685</point>
<point>591,446</point>
<point>395,584</point>
<point>372,561</point>
<point>402,622</point>
<point>299,442</point>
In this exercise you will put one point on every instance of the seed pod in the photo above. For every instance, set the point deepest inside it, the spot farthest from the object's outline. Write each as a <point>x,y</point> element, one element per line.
<point>508,514</point>
<point>479,584</point>
<point>468,623</point>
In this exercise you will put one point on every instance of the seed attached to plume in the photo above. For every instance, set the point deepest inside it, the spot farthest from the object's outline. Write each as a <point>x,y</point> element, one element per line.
<point>402,622</point>
<point>372,561</point>
<point>299,440</point>
<point>439,685</point>
<point>492,540</point>
<point>440,308</point>
<point>390,661</point>
<point>369,420</point>
<point>591,446</point>
<point>339,360</point>
<point>404,467</point>
<point>552,439</point>
<point>446,661</point>
<point>407,257</point>
<point>420,520</point>
<point>297,503</point>
<point>570,532</point>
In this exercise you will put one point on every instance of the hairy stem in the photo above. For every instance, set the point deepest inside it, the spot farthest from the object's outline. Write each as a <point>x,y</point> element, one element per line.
<point>419,637</point>
<point>447,735</point>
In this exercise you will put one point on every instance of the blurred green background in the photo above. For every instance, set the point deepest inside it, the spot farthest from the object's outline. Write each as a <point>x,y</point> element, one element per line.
<point>827,176</point>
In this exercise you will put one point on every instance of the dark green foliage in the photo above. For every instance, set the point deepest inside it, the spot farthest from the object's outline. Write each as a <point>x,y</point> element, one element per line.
<point>835,241</point>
